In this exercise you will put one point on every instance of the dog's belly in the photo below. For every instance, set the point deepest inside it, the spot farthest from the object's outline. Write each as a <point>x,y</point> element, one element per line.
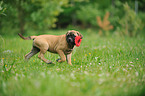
<point>66,52</point>
<point>52,50</point>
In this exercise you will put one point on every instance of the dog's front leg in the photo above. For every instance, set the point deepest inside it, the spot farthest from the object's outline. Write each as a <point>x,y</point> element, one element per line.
<point>62,56</point>
<point>69,59</point>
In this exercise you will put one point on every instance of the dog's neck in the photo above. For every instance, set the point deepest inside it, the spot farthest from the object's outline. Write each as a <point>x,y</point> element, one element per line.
<point>70,46</point>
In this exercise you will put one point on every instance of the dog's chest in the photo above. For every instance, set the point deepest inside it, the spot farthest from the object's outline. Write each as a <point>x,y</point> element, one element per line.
<point>68,51</point>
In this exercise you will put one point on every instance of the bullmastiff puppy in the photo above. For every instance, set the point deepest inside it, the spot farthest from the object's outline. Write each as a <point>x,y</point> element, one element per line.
<point>62,45</point>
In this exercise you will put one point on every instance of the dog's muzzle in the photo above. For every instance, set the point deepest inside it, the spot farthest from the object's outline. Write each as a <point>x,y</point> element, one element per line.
<point>70,39</point>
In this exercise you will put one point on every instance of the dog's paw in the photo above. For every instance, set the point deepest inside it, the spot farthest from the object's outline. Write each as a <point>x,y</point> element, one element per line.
<point>70,64</point>
<point>49,62</point>
<point>58,60</point>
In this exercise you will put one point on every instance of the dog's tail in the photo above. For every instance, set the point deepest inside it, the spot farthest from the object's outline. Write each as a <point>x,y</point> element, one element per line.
<point>27,38</point>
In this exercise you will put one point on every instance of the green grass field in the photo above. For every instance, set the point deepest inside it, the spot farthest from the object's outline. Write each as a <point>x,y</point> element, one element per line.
<point>102,66</point>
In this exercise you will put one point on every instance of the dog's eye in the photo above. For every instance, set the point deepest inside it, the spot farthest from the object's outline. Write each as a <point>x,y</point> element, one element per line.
<point>74,36</point>
<point>71,33</point>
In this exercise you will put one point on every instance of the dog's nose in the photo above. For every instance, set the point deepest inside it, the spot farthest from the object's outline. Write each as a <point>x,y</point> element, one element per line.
<point>70,40</point>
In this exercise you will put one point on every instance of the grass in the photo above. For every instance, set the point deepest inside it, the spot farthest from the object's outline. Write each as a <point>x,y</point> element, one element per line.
<point>102,66</point>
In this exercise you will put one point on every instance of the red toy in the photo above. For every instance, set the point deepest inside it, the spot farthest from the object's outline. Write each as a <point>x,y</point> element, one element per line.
<point>78,40</point>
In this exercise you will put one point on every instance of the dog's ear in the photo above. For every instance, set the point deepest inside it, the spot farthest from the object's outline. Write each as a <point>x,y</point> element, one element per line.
<point>69,32</point>
<point>79,34</point>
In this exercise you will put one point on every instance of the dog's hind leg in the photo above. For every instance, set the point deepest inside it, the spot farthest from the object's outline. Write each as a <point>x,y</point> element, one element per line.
<point>43,50</point>
<point>33,51</point>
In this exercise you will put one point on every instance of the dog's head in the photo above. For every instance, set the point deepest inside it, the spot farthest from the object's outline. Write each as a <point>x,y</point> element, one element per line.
<point>71,37</point>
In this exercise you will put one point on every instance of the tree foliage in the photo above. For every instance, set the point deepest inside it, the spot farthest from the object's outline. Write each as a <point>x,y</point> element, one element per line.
<point>87,14</point>
<point>46,15</point>
<point>39,14</point>
<point>130,23</point>
<point>24,15</point>
<point>1,8</point>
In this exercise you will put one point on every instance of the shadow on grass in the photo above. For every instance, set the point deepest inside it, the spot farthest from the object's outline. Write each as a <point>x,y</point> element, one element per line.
<point>50,65</point>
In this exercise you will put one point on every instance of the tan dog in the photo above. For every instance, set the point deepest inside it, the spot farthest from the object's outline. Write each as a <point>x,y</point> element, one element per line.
<point>62,44</point>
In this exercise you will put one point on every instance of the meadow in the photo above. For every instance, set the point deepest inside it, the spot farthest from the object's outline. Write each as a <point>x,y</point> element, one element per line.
<point>102,66</point>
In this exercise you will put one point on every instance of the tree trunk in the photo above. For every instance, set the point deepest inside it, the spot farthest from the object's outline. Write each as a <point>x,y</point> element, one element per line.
<point>136,6</point>
<point>113,5</point>
<point>74,20</point>
<point>21,17</point>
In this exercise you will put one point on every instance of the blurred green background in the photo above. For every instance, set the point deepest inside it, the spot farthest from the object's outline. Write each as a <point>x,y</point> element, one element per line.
<point>127,17</point>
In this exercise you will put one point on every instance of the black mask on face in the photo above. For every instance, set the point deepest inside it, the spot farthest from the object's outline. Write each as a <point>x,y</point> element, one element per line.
<point>70,38</point>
